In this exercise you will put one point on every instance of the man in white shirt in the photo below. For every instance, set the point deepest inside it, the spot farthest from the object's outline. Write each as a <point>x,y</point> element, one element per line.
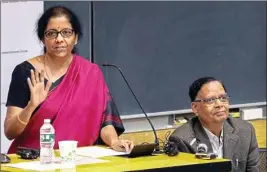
<point>228,137</point>
<point>216,142</point>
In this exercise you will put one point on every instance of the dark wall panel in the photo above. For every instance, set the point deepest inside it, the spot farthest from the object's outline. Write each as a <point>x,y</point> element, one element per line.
<point>163,46</point>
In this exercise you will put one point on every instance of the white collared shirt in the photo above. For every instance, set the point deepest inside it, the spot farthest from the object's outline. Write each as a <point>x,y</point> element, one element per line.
<point>216,143</point>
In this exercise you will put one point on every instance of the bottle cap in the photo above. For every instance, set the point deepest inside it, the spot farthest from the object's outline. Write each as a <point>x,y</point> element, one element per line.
<point>47,120</point>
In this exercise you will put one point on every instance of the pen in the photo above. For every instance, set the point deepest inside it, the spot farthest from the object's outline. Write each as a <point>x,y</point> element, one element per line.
<point>236,162</point>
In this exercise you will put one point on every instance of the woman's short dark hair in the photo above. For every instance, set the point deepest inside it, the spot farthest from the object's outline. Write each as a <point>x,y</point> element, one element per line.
<point>58,11</point>
<point>197,85</point>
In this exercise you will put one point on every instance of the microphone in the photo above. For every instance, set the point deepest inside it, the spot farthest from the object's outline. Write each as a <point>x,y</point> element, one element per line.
<point>174,145</point>
<point>171,146</point>
<point>202,148</point>
<point>125,80</point>
<point>202,152</point>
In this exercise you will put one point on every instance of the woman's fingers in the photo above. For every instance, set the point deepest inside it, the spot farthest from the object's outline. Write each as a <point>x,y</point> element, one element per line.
<point>126,146</point>
<point>42,76</point>
<point>33,78</point>
<point>131,145</point>
<point>48,85</point>
<point>30,83</point>
<point>37,76</point>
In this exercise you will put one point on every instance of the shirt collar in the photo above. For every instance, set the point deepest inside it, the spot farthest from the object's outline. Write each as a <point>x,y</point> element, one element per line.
<point>212,136</point>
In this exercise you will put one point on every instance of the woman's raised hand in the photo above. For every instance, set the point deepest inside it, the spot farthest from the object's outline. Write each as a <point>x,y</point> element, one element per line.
<point>38,89</point>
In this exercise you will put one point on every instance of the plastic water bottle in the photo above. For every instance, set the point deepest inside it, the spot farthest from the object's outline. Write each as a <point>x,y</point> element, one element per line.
<point>47,141</point>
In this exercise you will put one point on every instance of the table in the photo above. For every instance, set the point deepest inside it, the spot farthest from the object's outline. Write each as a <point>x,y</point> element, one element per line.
<point>161,162</point>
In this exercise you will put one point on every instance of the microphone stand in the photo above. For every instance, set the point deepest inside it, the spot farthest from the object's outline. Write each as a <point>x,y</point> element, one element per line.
<point>154,131</point>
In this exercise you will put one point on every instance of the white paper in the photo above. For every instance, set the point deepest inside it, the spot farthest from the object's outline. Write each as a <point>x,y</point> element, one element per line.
<point>35,165</point>
<point>97,152</point>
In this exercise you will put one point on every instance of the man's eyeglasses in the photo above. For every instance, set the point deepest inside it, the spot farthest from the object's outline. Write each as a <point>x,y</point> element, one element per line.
<point>52,33</point>
<point>212,101</point>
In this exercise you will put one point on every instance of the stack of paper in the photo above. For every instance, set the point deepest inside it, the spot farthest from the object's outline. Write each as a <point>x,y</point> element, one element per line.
<point>97,152</point>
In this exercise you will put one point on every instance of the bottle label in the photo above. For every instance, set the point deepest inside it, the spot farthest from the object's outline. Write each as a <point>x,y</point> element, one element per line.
<point>47,137</point>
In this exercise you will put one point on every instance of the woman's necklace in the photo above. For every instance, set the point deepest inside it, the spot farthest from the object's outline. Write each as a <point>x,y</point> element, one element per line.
<point>60,71</point>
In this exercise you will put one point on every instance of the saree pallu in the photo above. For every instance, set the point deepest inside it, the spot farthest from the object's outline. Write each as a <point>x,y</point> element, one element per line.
<point>75,108</point>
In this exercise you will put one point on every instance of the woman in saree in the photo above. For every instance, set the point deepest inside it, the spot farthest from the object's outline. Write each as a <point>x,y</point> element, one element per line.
<point>63,87</point>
